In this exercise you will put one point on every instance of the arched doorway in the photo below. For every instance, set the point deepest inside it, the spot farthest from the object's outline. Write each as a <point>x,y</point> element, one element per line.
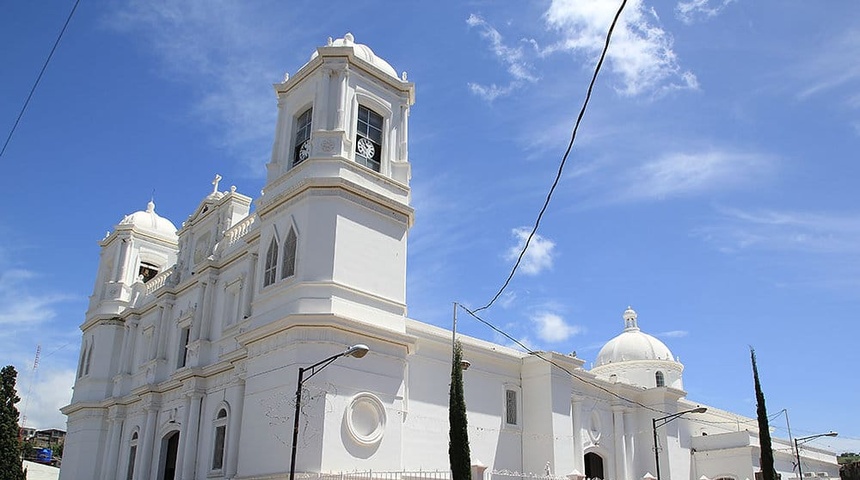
<point>169,451</point>
<point>593,465</point>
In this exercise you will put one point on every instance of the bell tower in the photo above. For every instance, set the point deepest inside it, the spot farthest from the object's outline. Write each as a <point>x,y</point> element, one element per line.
<point>335,209</point>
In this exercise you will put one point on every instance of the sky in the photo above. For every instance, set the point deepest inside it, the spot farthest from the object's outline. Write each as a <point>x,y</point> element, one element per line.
<point>712,185</point>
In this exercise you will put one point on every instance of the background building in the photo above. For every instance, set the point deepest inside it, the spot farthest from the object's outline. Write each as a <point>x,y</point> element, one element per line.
<point>193,337</point>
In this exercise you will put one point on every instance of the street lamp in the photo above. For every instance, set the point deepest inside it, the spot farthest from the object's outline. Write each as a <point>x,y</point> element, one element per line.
<point>799,440</point>
<point>356,351</point>
<point>659,422</point>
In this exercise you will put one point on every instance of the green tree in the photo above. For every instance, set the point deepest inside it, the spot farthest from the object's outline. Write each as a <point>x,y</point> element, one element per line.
<point>767,470</point>
<point>458,439</point>
<point>10,445</point>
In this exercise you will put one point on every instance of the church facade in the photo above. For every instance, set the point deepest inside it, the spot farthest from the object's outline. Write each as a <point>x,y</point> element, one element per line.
<point>194,337</point>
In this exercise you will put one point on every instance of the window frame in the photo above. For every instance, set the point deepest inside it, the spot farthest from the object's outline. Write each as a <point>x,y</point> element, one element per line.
<point>375,162</point>
<point>219,427</point>
<point>303,127</point>
<point>184,340</point>
<point>659,379</point>
<point>270,270</point>
<point>516,391</point>
<point>132,455</point>
<point>289,251</point>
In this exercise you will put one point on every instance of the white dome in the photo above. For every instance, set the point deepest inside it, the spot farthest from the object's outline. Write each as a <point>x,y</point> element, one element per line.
<point>632,345</point>
<point>151,222</point>
<point>361,51</point>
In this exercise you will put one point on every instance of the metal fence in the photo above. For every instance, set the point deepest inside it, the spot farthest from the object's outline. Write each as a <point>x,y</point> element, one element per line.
<point>426,475</point>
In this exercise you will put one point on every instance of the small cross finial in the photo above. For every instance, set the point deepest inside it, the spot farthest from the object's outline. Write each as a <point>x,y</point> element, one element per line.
<point>215,183</point>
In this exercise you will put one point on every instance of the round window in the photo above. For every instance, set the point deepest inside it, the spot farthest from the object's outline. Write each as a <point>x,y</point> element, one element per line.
<point>365,419</point>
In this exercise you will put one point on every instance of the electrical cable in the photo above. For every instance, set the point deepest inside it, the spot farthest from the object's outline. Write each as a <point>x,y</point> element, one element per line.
<point>563,159</point>
<point>593,384</point>
<point>39,78</point>
<point>561,367</point>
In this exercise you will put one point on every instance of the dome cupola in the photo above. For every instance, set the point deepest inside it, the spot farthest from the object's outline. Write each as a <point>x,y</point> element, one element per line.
<point>638,358</point>
<point>147,221</point>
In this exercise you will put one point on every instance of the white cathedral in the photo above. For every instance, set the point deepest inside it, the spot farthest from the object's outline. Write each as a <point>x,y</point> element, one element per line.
<point>193,338</point>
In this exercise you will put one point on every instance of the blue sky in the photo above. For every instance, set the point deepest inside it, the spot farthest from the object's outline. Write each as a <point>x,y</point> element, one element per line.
<point>712,186</point>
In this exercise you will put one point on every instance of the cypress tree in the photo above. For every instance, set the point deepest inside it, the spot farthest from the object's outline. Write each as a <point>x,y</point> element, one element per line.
<point>10,445</point>
<point>767,470</point>
<point>458,435</point>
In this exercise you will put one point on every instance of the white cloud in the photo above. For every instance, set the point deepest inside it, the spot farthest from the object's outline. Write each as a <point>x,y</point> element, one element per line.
<point>538,257</point>
<point>223,51</point>
<point>507,299</point>
<point>641,52</point>
<point>674,334</point>
<point>826,71</point>
<point>50,391</point>
<point>689,11</point>
<point>772,230</point>
<point>552,328</point>
<point>21,309</point>
<point>512,57</point>
<point>691,173</point>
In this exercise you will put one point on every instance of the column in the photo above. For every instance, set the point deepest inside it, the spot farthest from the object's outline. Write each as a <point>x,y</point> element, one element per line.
<point>128,359</point>
<point>235,428</point>
<point>282,136</point>
<point>198,314</point>
<point>341,96</point>
<point>206,332</point>
<point>249,286</point>
<point>122,268</point>
<point>109,461</point>
<point>123,352</point>
<point>145,461</point>
<point>160,337</point>
<point>404,143</point>
<point>620,450</point>
<point>189,454</point>
<point>323,117</point>
<point>576,412</point>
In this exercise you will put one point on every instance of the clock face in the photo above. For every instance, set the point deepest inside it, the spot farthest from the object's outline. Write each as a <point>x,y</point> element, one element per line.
<point>305,151</point>
<point>365,148</point>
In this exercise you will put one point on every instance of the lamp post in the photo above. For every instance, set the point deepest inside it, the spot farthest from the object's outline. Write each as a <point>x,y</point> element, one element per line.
<point>659,422</point>
<point>356,351</point>
<point>799,440</point>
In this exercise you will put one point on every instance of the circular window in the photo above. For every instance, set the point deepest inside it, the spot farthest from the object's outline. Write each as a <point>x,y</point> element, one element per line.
<point>365,419</point>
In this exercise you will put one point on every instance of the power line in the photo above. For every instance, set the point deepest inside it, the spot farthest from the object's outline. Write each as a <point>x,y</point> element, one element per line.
<point>561,367</point>
<point>563,159</point>
<point>39,78</point>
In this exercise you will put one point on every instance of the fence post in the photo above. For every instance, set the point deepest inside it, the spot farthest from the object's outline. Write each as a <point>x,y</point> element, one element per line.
<point>478,470</point>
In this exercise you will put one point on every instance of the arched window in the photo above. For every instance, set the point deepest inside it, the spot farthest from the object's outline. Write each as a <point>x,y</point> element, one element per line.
<point>368,141</point>
<point>302,148</point>
<point>288,265</point>
<point>147,271</point>
<point>132,454</point>
<point>661,381</point>
<point>593,466</point>
<point>269,275</point>
<point>83,359</point>
<point>220,425</point>
<point>89,357</point>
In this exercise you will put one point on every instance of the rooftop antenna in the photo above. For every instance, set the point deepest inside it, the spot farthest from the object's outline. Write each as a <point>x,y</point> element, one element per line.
<point>30,386</point>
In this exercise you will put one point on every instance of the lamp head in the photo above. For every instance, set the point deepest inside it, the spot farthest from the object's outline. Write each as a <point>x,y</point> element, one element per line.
<point>357,351</point>
<point>831,434</point>
<point>699,410</point>
<point>465,364</point>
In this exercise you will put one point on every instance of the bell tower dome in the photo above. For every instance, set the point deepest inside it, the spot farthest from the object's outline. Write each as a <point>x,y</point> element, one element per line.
<point>345,103</point>
<point>335,210</point>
